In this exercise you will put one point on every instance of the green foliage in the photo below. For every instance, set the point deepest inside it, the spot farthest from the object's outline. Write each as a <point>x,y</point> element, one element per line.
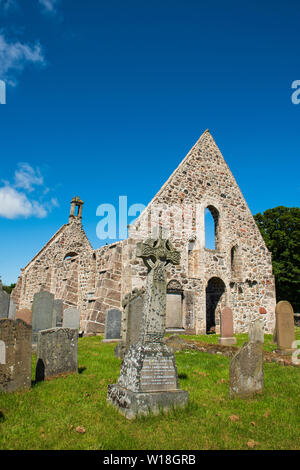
<point>48,416</point>
<point>280,228</point>
<point>8,289</point>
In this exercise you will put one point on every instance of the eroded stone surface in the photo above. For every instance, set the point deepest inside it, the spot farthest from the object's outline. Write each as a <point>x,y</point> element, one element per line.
<point>15,355</point>
<point>246,372</point>
<point>57,352</point>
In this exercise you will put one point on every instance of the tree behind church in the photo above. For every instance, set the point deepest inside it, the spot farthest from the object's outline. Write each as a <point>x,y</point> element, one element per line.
<point>280,228</point>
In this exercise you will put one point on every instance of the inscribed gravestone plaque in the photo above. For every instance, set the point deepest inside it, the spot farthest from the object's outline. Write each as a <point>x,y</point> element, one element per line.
<point>15,367</point>
<point>57,352</point>
<point>285,327</point>
<point>71,318</point>
<point>113,324</point>
<point>42,313</point>
<point>226,326</point>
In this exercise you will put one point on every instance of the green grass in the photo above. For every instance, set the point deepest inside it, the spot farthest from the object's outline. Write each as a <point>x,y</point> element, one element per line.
<point>46,417</point>
<point>241,339</point>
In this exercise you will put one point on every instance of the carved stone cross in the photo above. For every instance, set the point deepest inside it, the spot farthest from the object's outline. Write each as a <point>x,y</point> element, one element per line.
<point>156,254</point>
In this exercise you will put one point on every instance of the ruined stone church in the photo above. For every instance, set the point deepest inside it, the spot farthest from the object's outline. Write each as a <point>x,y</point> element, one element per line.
<point>237,273</point>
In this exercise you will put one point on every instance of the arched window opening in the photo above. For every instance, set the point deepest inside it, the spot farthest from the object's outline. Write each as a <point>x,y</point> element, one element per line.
<point>211,228</point>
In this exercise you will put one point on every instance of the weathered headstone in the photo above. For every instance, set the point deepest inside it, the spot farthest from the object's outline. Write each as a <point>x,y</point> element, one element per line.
<point>246,373</point>
<point>148,379</point>
<point>57,313</point>
<point>4,303</point>
<point>112,325</point>
<point>15,355</point>
<point>285,327</point>
<point>12,310</point>
<point>42,313</point>
<point>227,338</point>
<point>131,321</point>
<point>71,318</point>
<point>57,352</point>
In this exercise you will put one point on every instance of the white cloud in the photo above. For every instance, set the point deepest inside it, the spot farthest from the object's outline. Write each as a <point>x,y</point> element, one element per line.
<point>15,56</point>
<point>49,6</point>
<point>16,200</point>
<point>26,177</point>
<point>14,204</point>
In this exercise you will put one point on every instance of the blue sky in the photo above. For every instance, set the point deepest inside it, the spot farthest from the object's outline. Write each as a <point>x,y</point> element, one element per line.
<point>105,99</point>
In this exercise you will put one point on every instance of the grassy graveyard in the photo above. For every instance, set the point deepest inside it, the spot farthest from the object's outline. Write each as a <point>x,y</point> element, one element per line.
<point>71,412</point>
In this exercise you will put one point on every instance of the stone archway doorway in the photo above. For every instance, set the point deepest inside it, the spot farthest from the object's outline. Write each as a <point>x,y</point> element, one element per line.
<point>215,300</point>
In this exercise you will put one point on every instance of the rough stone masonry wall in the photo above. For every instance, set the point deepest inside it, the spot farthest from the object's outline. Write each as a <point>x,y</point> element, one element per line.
<point>107,293</point>
<point>63,267</point>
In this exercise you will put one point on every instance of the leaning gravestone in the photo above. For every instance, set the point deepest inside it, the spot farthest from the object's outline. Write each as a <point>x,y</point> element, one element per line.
<point>57,313</point>
<point>56,352</point>
<point>71,318</point>
<point>42,313</point>
<point>148,379</point>
<point>112,325</point>
<point>227,338</point>
<point>4,303</point>
<point>246,372</point>
<point>15,355</point>
<point>131,321</point>
<point>285,327</point>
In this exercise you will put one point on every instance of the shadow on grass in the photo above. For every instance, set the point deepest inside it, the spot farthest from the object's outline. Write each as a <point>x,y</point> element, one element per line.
<point>2,417</point>
<point>81,369</point>
<point>182,376</point>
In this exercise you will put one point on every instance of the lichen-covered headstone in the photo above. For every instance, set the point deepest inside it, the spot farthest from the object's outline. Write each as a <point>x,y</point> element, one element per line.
<point>15,355</point>
<point>42,313</point>
<point>148,380</point>
<point>71,318</point>
<point>285,327</point>
<point>246,373</point>
<point>226,338</point>
<point>57,352</point>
